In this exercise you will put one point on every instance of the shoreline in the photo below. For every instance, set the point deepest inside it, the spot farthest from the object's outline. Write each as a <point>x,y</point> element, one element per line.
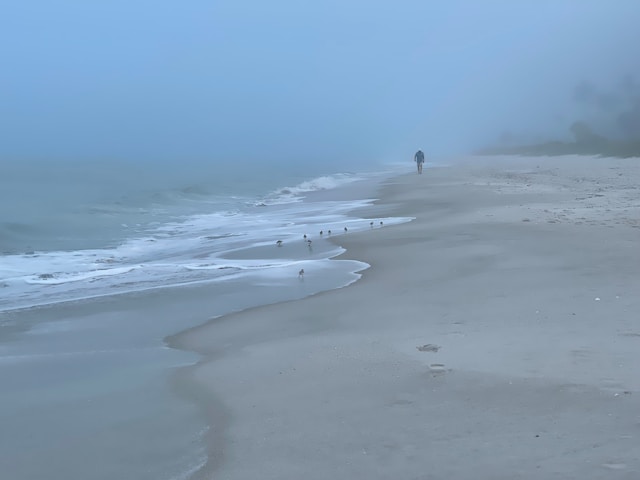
<point>104,359</point>
<point>183,378</point>
<point>179,252</point>
<point>481,295</point>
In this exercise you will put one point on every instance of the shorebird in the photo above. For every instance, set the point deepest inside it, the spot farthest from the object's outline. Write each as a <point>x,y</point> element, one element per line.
<point>345,229</point>
<point>380,223</point>
<point>304,236</point>
<point>301,273</point>
<point>279,243</point>
<point>371,224</point>
<point>320,232</point>
<point>329,232</point>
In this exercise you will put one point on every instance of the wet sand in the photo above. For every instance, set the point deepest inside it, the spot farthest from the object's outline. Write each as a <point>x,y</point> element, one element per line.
<point>495,336</point>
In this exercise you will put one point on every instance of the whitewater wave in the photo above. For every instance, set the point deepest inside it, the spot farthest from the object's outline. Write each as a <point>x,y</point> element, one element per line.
<point>226,243</point>
<point>296,193</point>
<point>57,279</point>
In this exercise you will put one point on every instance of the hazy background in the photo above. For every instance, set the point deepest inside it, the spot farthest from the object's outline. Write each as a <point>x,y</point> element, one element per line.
<point>290,80</point>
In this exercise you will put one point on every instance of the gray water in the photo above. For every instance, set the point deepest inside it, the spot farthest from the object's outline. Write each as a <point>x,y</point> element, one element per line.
<point>88,384</point>
<point>69,205</point>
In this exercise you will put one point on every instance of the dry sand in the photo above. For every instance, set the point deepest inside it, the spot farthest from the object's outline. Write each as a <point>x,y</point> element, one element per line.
<point>496,336</point>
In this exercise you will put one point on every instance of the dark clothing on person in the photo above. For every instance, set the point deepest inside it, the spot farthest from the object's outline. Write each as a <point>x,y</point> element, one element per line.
<point>419,159</point>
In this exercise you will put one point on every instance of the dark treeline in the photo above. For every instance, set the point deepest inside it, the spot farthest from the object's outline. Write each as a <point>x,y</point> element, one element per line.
<point>616,112</point>
<point>585,143</point>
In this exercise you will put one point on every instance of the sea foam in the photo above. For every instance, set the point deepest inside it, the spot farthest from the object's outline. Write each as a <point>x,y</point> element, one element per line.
<point>215,246</point>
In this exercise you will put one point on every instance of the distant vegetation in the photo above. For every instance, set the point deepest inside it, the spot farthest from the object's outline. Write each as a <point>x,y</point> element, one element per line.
<point>586,142</point>
<point>615,110</point>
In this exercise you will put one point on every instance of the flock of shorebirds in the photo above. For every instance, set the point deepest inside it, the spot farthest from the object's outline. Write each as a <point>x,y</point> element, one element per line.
<point>308,240</point>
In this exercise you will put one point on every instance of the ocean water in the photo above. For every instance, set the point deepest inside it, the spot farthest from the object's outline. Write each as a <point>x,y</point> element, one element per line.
<point>79,231</point>
<point>86,392</point>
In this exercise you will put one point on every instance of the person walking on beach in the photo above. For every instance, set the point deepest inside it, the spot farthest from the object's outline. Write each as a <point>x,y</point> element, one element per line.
<point>419,159</point>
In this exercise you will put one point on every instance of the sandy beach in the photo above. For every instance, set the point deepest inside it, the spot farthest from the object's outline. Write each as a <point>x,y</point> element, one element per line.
<point>495,336</point>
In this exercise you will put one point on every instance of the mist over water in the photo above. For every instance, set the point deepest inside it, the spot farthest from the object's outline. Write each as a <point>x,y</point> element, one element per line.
<point>286,82</point>
<point>153,152</point>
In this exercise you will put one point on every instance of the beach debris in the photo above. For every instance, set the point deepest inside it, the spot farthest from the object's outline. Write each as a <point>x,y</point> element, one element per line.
<point>429,347</point>
<point>301,273</point>
<point>45,276</point>
<point>597,299</point>
<point>526,220</point>
<point>279,243</point>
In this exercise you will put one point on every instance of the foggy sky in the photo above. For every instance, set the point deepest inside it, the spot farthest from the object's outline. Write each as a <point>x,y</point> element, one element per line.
<point>283,80</point>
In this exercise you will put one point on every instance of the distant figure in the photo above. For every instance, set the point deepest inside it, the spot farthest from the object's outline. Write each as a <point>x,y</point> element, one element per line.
<point>301,273</point>
<point>419,159</point>
<point>279,243</point>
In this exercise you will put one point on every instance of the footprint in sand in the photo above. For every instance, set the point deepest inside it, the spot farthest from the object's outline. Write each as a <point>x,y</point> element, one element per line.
<point>437,369</point>
<point>429,347</point>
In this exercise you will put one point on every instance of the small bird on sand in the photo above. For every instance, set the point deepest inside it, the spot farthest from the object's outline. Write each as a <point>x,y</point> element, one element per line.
<point>381,223</point>
<point>320,232</point>
<point>304,236</point>
<point>371,224</point>
<point>301,273</point>
<point>345,229</point>
<point>279,243</point>
<point>309,242</point>
<point>329,232</point>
